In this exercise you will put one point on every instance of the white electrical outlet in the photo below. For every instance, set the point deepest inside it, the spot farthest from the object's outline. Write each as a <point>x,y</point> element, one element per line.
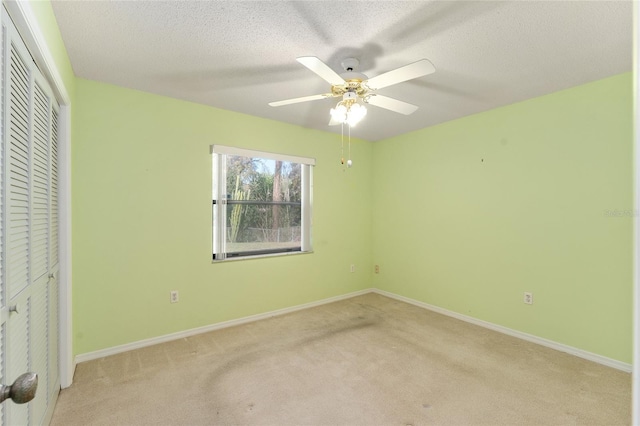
<point>353,268</point>
<point>174,296</point>
<point>528,298</point>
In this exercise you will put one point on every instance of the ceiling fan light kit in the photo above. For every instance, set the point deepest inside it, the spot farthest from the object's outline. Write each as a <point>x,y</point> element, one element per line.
<point>353,86</point>
<point>356,89</point>
<point>348,110</point>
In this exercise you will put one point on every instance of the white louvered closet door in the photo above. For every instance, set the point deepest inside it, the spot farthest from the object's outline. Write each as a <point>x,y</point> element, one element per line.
<point>29,231</point>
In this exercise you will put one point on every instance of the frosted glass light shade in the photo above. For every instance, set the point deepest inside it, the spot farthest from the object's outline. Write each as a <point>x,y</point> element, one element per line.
<point>339,113</point>
<point>355,114</point>
<point>350,115</point>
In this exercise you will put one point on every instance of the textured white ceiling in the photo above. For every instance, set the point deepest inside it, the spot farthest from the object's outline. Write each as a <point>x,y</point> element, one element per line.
<point>240,55</point>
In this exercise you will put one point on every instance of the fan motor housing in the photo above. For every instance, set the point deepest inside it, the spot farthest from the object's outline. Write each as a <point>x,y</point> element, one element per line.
<point>352,85</point>
<point>352,80</point>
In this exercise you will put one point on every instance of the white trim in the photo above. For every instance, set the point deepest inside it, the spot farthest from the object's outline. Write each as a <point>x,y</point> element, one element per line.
<point>219,155</point>
<point>26,22</point>
<point>307,209</point>
<point>231,150</point>
<point>219,174</point>
<point>618,365</point>
<point>65,339</point>
<point>194,331</point>
<point>51,408</point>
<point>635,417</point>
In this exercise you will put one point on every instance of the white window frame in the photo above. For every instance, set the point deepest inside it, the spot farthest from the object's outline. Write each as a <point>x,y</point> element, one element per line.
<point>219,210</point>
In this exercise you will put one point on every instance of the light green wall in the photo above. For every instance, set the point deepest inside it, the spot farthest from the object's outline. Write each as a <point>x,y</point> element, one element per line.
<point>472,213</point>
<point>142,218</point>
<point>467,215</point>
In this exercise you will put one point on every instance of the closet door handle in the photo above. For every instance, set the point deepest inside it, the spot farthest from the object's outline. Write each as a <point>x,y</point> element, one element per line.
<point>14,308</point>
<point>22,390</point>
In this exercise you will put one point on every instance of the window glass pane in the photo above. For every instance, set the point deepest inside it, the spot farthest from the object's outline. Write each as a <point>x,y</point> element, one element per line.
<point>263,205</point>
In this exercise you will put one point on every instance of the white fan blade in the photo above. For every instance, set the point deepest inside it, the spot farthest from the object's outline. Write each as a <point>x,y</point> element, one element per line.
<point>322,69</point>
<point>302,99</point>
<point>408,72</point>
<point>392,104</point>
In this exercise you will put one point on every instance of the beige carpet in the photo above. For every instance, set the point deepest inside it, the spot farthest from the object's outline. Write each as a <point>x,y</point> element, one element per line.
<point>369,360</point>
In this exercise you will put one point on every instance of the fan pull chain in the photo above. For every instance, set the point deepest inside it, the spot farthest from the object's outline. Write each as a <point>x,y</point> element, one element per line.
<point>342,148</point>
<point>349,163</point>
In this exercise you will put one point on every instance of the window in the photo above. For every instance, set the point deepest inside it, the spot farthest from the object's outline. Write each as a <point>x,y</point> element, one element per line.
<point>261,203</point>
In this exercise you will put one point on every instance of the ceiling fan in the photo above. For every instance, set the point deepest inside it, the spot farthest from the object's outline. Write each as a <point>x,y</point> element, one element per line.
<point>353,86</point>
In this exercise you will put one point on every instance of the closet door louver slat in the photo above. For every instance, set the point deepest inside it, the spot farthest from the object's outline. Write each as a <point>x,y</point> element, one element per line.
<point>40,185</point>
<point>19,176</point>
<point>29,230</point>
<point>54,188</point>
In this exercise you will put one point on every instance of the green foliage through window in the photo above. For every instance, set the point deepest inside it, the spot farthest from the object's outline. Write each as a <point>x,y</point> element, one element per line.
<point>263,205</point>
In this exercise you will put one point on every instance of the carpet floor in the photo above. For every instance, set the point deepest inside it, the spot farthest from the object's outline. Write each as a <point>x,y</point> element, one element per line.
<point>368,360</point>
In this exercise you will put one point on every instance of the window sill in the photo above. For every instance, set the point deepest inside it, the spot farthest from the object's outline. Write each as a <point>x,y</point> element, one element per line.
<point>261,256</point>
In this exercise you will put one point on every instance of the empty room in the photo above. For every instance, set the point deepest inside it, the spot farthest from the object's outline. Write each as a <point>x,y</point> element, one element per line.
<point>318,212</point>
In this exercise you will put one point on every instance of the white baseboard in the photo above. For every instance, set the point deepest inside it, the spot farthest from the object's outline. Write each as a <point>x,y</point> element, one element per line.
<point>618,365</point>
<point>191,332</point>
